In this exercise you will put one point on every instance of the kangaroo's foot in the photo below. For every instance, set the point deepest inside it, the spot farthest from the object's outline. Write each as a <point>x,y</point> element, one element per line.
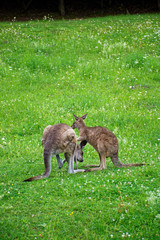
<point>91,166</point>
<point>79,170</point>
<point>94,169</point>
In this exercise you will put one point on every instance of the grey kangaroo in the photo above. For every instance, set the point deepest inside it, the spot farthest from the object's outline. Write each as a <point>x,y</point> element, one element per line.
<point>103,141</point>
<point>78,154</point>
<point>59,138</point>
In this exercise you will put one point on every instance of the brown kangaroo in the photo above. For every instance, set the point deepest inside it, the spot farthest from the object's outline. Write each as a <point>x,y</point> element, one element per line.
<point>103,141</point>
<point>78,154</point>
<point>59,138</point>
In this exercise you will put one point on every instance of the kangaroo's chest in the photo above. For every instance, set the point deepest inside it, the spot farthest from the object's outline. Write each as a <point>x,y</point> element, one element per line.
<point>92,138</point>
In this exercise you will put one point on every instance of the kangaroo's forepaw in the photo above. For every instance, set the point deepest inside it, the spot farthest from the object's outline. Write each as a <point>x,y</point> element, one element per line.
<point>60,165</point>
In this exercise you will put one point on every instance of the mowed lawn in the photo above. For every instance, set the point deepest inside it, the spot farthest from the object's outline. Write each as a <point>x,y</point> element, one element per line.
<point>50,70</point>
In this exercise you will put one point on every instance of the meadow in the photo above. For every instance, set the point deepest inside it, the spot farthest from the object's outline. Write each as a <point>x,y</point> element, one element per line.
<point>50,70</point>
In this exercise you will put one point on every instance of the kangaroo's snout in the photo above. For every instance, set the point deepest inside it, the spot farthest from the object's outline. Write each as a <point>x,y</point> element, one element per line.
<point>79,155</point>
<point>80,159</point>
<point>73,125</point>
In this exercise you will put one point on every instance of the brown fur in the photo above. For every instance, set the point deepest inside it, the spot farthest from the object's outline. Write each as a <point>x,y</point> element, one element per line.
<point>103,141</point>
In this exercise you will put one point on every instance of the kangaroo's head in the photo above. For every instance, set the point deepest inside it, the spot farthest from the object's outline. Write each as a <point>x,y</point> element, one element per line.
<point>78,123</point>
<point>79,152</point>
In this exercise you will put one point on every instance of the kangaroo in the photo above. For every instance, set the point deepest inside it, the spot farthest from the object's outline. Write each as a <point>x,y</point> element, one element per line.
<point>60,139</point>
<point>103,141</point>
<point>78,154</point>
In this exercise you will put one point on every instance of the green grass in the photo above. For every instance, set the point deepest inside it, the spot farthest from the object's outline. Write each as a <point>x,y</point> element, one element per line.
<point>110,68</point>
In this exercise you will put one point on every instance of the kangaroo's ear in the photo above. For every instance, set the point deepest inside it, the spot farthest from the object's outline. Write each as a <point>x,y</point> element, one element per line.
<point>83,144</point>
<point>75,117</point>
<point>84,116</point>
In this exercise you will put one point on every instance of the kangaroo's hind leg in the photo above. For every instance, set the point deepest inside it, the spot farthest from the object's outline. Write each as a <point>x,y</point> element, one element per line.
<point>102,164</point>
<point>70,159</point>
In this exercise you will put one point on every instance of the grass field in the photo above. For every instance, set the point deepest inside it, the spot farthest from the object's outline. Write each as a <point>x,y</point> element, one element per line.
<point>110,68</point>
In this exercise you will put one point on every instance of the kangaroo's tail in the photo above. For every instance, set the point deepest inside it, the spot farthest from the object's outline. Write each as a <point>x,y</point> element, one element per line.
<point>47,163</point>
<point>133,164</point>
<point>35,178</point>
<point>117,163</point>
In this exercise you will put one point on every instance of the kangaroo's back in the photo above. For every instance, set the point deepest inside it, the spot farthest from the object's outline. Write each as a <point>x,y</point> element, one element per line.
<point>45,134</point>
<point>56,138</point>
<point>101,139</point>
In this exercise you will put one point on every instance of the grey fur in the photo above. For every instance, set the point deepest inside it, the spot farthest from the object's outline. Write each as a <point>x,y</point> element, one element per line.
<point>59,138</point>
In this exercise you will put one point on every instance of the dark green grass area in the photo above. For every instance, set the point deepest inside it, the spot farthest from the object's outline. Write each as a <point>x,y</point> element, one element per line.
<point>108,67</point>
